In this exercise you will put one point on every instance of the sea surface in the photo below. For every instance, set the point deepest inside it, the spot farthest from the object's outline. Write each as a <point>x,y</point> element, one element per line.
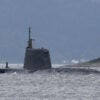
<point>49,85</point>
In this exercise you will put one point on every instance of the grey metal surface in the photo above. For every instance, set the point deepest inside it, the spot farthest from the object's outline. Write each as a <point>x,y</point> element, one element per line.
<point>36,59</point>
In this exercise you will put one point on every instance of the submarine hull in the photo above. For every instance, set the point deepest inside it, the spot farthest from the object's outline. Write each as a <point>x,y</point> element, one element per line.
<point>37,59</point>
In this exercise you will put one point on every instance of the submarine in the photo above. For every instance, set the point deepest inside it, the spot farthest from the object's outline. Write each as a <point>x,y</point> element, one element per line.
<point>35,59</point>
<point>39,59</point>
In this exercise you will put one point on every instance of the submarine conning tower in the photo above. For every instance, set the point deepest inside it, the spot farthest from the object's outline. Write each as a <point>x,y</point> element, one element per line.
<point>36,58</point>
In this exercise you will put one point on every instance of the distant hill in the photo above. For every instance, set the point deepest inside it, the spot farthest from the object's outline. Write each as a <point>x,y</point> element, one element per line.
<point>94,62</point>
<point>97,60</point>
<point>91,63</point>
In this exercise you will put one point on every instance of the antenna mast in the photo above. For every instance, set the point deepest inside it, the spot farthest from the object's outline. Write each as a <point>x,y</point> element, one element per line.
<point>29,33</point>
<point>30,40</point>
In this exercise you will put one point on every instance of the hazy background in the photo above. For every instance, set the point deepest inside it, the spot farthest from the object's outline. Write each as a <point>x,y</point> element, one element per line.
<point>69,28</point>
